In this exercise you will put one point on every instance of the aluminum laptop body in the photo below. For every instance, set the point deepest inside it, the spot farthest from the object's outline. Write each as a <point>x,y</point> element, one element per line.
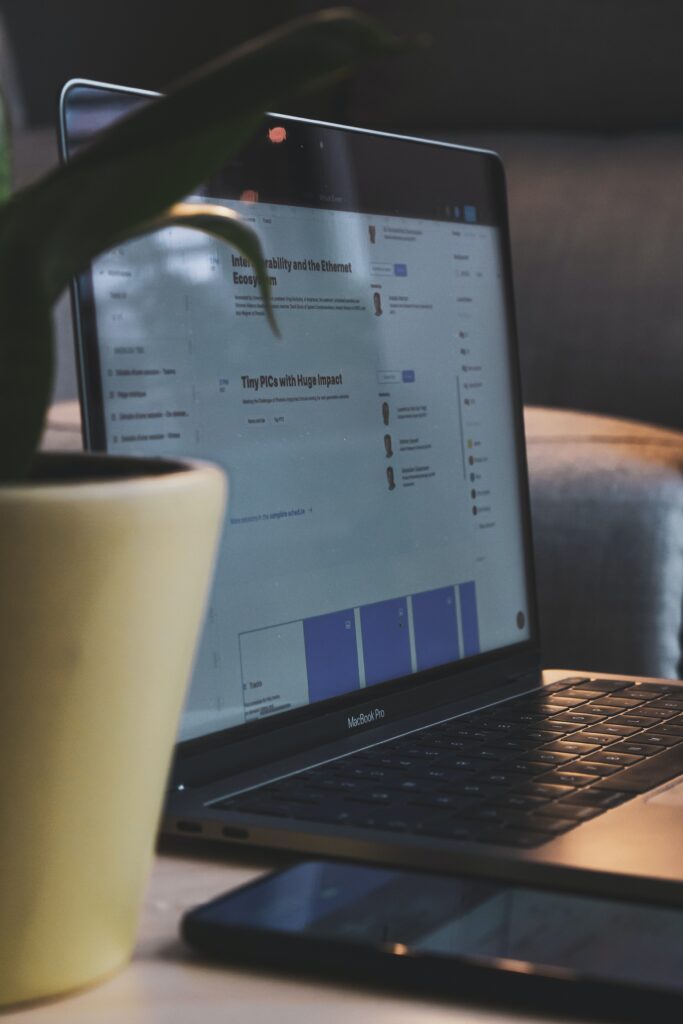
<point>369,681</point>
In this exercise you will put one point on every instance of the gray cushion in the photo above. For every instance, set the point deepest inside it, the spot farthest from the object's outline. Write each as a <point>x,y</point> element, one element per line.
<point>607,503</point>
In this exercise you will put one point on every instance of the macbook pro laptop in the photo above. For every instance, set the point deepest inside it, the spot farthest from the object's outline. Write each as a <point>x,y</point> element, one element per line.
<point>369,682</point>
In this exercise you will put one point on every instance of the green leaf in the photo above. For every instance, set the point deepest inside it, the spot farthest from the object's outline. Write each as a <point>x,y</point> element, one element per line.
<point>131,174</point>
<point>225,225</point>
<point>158,154</point>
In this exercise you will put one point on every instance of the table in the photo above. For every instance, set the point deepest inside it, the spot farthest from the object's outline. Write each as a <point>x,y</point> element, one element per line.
<point>167,984</point>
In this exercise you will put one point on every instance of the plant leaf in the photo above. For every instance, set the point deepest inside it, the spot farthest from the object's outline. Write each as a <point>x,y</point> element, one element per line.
<point>130,175</point>
<point>227,226</point>
<point>147,161</point>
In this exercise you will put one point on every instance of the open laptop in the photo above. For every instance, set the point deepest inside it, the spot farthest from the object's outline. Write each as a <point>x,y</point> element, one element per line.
<point>369,681</point>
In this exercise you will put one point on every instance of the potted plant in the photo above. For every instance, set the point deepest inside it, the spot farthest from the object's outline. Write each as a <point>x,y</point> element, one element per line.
<point>105,562</point>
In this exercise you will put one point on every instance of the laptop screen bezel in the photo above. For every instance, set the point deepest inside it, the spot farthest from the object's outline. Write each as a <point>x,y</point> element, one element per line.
<point>398,697</point>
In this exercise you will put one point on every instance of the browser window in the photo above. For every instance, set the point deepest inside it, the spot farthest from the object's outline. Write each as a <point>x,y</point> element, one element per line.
<point>374,493</point>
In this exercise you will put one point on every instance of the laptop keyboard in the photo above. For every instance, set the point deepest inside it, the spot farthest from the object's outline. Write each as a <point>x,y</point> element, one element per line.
<point>516,774</point>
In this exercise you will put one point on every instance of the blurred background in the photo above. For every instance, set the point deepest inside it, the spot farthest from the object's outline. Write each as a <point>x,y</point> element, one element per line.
<point>583,98</point>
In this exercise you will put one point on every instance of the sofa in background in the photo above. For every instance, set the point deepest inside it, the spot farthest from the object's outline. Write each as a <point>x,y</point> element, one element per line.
<point>584,101</point>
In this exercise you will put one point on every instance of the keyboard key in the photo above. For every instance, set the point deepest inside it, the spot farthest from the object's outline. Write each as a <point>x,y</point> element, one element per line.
<point>578,718</point>
<point>433,773</point>
<point>492,754</point>
<point>562,684</point>
<point>670,703</point>
<point>503,778</point>
<point>600,708</point>
<point>368,771</point>
<point>526,716</point>
<point>564,809</point>
<point>661,714</point>
<point>607,757</point>
<point>617,701</point>
<point>573,747</point>
<point>474,788</point>
<point>483,813</point>
<point>376,796</point>
<point>562,701</point>
<point>504,726</point>
<point>337,784</point>
<point>602,738</point>
<point>657,735</point>
<point>592,735</point>
<point>452,801</point>
<point>464,764</point>
<point>413,786</point>
<point>649,690</point>
<point>514,744</point>
<point>603,685</point>
<point>594,768</point>
<point>614,729</point>
<point>551,826</point>
<point>551,729</point>
<point>599,797</point>
<point>583,692</point>
<point>638,720</point>
<point>571,778</point>
<point>548,756</point>
<point>641,749</point>
<point>550,790</point>
<point>522,801</point>
<point>672,728</point>
<point>527,767</point>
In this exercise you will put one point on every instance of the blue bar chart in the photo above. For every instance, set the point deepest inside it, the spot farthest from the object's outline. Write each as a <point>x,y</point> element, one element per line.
<point>323,656</point>
<point>470,622</point>
<point>435,627</point>
<point>386,641</point>
<point>331,655</point>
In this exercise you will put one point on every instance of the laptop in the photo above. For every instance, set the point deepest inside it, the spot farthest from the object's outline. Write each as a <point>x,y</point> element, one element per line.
<point>369,683</point>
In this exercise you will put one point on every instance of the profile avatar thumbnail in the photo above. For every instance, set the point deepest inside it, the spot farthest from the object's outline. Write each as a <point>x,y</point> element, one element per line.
<point>388,450</point>
<point>390,478</point>
<point>377,302</point>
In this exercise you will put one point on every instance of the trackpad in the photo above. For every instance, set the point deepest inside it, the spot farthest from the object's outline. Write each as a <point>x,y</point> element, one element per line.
<point>671,797</point>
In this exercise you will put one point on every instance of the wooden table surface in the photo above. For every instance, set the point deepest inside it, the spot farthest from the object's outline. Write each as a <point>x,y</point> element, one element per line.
<point>166,984</point>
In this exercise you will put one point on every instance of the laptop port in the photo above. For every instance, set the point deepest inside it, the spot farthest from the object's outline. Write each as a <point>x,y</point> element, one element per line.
<point>188,826</point>
<point>231,832</point>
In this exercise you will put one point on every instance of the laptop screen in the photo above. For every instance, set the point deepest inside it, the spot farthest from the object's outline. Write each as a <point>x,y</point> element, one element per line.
<point>375,527</point>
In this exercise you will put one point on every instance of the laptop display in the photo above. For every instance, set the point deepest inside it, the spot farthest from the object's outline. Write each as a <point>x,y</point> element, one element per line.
<point>376,529</point>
